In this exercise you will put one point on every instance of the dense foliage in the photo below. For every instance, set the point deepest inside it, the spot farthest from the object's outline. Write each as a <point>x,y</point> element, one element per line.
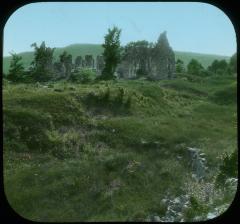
<point>83,76</point>
<point>42,65</point>
<point>112,53</point>
<point>180,66</point>
<point>194,67</point>
<point>16,71</point>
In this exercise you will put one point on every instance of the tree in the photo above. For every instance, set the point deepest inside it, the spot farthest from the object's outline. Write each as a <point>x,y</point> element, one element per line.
<point>194,67</point>
<point>179,66</point>
<point>218,67</point>
<point>213,67</point>
<point>112,53</point>
<point>16,70</point>
<point>42,69</point>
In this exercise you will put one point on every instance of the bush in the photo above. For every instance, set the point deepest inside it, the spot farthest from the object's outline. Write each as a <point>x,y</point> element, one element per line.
<point>196,209</point>
<point>219,67</point>
<point>194,68</point>
<point>228,168</point>
<point>83,76</point>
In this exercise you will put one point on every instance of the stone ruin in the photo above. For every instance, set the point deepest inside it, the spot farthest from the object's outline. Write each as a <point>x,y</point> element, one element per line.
<point>162,64</point>
<point>198,163</point>
<point>99,64</point>
<point>89,61</point>
<point>153,61</point>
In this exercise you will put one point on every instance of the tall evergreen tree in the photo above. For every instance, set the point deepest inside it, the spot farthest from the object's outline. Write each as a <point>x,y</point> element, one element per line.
<point>112,53</point>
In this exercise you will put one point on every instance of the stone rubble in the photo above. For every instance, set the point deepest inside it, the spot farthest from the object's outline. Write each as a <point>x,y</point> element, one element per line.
<point>177,206</point>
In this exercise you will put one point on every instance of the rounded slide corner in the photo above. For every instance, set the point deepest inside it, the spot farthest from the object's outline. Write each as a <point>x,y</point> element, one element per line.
<point>218,7</point>
<point>17,8</point>
<point>12,210</point>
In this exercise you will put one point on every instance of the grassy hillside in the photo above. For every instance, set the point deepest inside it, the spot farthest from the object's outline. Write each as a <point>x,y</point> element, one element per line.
<point>96,49</point>
<point>112,151</point>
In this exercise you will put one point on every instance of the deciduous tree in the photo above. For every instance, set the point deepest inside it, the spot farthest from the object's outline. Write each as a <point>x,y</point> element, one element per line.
<point>112,53</point>
<point>16,70</point>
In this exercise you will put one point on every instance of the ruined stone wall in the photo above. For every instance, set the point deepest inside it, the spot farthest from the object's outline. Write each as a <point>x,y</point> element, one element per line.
<point>158,63</point>
<point>89,61</point>
<point>99,64</point>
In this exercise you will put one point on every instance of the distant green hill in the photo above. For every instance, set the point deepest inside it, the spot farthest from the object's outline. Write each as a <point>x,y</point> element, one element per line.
<point>96,49</point>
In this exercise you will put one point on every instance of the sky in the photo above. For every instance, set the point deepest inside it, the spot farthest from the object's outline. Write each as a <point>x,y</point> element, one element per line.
<point>191,27</point>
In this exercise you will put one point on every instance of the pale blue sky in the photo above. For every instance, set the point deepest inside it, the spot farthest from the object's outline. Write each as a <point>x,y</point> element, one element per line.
<point>191,27</point>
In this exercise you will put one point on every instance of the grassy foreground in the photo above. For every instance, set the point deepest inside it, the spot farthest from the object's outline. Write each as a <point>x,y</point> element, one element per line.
<point>109,151</point>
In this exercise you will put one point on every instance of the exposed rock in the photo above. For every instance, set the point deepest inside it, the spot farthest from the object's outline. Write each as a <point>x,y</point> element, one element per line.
<point>217,211</point>
<point>78,62</point>
<point>156,219</point>
<point>163,59</point>
<point>59,69</point>
<point>89,61</point>
<point>99,64</point>
<point>231,184</point>
<point>198,163</point>
<point>144,59</point>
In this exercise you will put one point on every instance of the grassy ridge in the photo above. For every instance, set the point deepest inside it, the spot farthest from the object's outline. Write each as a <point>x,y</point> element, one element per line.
<point>96,49</point>
<point>90,153</point>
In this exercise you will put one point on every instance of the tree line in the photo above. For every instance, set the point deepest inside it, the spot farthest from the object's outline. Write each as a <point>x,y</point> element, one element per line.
<point>218,67</point>
<point>43,68</point>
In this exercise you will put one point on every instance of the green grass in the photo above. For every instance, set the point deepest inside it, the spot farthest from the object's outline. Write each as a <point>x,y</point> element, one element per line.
<point>84,154</point>
<point>96,49</point>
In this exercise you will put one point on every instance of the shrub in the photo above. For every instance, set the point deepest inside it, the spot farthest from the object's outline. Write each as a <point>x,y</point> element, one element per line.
<point>219,67</point>
<point>194,67</point>
<point>83,76</point>
<point>196,209</point>
<point>228,168</point>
